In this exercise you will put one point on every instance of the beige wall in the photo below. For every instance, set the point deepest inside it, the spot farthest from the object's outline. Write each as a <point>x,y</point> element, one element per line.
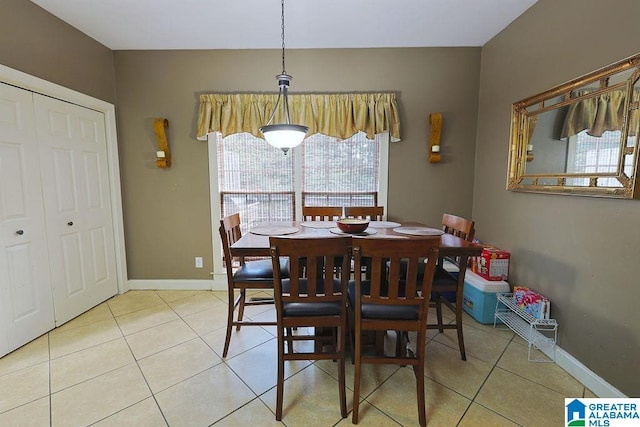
<point>167,214</point>
<point>36,42</point>
<point>581,252</point>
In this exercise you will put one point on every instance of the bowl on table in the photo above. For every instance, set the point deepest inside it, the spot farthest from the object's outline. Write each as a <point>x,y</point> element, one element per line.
<point>352,225</point>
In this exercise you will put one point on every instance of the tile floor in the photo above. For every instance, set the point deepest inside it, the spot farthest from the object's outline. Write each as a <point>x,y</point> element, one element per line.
<point>152,358</point>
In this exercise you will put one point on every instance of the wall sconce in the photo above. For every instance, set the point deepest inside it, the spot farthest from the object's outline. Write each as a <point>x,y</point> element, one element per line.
<point>529,153</point>
<point>163,155</point>
<point>435,119</point>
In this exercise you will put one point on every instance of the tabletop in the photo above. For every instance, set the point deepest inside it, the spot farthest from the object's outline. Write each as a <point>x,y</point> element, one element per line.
<point>251,244</point>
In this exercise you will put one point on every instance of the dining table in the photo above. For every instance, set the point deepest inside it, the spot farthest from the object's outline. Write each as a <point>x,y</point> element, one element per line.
<point>255,243</point>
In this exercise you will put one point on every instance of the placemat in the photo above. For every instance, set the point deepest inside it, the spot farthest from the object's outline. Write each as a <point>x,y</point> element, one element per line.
<point>318,224</point>
<point>383,224</point>
<point>419,231</point>
<point>367,232</point>
<point>273,230</point>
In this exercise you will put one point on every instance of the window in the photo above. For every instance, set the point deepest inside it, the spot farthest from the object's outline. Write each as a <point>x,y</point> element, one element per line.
<point>254,179</point>
<point>589,154</point>
<point>262,183</point>
<point>340,173</point>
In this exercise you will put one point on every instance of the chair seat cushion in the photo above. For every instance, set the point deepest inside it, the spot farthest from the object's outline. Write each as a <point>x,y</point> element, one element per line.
<point>300,309</point>
<point>377,311</point>
<point>260,270</point>
<point>328,308</point>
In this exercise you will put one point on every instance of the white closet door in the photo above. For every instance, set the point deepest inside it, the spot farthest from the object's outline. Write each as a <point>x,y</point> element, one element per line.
<point>73,157</point>
<point>26,303</point>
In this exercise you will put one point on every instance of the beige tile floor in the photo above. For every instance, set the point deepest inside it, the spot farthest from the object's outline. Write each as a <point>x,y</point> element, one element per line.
<point>152,358</point>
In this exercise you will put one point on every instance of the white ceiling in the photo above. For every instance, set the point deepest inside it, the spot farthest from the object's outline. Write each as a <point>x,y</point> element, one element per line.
<point>255,24</point>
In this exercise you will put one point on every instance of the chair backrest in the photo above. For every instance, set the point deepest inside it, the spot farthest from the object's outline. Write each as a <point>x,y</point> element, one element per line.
<point>373,213</point>
<point>229,234</point>
<point>460,227</point>
<point>394,273</point>
<point>321,213</point>
<point>312,263</point>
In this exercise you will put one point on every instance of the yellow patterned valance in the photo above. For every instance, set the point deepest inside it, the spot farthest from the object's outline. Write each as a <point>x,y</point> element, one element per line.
<point>337,115</point>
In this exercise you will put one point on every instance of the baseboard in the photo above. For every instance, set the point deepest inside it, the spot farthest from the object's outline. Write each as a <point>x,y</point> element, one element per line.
<point>588,378</point>
<point>215,284</point>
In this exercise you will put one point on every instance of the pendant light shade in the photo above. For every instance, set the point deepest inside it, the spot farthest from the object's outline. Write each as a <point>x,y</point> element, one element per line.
<point>283,135</point>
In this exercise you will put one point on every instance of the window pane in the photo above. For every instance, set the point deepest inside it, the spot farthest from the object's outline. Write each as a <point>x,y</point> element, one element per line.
<point>596,155</point>
<point>247,163</point>
<point>254,179</point>
<point>340,173</point>
<point>257,180</point>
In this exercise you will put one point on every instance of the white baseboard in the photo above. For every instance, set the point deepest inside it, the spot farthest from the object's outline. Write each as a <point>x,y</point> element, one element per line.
<point>593,382</point>
<point>215,284</point>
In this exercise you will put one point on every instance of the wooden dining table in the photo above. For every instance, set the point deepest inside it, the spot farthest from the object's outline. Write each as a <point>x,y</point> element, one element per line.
<point>256,244</point>
<point>252,244</point>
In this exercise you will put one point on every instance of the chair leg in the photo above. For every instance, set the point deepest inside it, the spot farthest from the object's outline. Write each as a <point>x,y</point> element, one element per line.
<point>439,313</point>
<point>230,310</point>
<point>350,338</point>
<point>341,372</point>
<point>419,373</point>
<point>289,332</point>
<point>463,354</point>
<point>241,299</point>
<point>356,377</point>
<point>280,383</point>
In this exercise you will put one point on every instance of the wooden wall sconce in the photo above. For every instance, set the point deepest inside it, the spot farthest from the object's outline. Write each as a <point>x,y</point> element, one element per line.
<point>163,155</point>
<point>435,119</point>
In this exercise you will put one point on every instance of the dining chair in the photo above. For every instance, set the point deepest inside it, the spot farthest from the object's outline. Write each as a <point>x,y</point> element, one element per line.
<point>446,284</point>
<point>321,213</point>
<point>316,300</point>
<point>372,213</point>
<point>396,301</point>
<point>251,275</point>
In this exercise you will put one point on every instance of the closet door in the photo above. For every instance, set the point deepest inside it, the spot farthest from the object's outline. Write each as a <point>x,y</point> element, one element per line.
<point>73,158</point>
<point>26,304</point>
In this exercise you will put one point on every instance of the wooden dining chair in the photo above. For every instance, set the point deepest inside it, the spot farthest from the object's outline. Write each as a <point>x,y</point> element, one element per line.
<point>372,213</point>
<point>315,300</point>
<point>321,213</point>
<point>392,302</point>
<point>250,275</point>
<point>445,284</point>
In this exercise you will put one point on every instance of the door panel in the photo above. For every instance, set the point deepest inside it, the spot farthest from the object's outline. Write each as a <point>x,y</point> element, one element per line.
<point>72,144</point>
<point>63,175</point>
<point>26,300</point>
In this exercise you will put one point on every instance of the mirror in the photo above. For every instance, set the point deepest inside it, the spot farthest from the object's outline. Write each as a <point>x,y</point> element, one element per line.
<point>580,137</point>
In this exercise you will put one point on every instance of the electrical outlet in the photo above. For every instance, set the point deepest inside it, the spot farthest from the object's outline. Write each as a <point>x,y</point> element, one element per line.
<point>199,262</point>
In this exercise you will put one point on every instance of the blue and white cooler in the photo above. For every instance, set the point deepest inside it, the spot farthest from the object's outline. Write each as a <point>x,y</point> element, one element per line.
<point>479,296</point>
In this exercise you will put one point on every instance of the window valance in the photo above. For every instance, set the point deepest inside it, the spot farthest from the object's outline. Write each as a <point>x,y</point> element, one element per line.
<point>337,115</point>
<point>598,114</point>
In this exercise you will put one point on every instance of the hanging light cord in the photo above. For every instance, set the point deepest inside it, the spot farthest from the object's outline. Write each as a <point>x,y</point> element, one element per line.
<point>282,17</point>
<point>283,79</point>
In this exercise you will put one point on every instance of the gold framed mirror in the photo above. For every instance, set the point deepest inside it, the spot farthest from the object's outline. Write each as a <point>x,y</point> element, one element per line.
<point>580,137</point>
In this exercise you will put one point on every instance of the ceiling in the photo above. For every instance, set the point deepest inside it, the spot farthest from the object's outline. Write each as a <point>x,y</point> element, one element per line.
<point>255,24</point>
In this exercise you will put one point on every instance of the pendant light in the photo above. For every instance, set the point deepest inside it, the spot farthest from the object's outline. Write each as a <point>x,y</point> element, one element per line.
<point>284,135</point>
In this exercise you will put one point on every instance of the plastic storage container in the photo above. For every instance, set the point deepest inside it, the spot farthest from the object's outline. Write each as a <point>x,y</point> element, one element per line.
<point>479,296</point>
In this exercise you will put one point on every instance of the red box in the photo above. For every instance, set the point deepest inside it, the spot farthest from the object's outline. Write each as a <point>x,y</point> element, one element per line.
<point>492,264</point>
